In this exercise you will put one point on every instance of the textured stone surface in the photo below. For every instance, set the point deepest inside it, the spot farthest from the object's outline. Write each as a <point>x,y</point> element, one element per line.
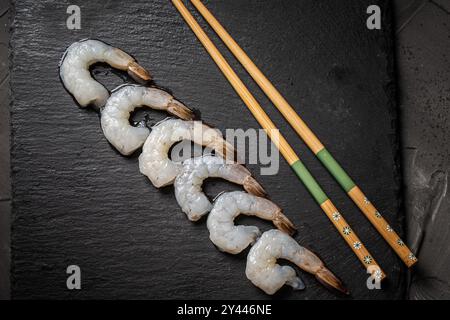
<point>424,73</point>
<point>442,4</point>
<point>77,201</point>
<point>4,249</point>
<point>5,183</point>
<point>5,190</point>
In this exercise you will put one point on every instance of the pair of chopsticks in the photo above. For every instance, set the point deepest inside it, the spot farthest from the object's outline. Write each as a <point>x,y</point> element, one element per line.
<point>308,137</point>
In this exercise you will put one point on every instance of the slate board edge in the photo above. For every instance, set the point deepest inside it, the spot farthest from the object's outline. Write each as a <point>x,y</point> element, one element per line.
<point>390,92</point>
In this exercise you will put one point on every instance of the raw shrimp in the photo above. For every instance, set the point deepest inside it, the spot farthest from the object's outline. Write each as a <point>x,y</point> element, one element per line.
<point>114,116</point>
<point>76,77</point>
<point>154,161</point>
<point>188,184</point>
<point>264,272</point>
<point>233,239</point>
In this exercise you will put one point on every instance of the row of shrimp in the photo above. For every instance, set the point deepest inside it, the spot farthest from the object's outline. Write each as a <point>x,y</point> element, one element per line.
<point>188,176</point>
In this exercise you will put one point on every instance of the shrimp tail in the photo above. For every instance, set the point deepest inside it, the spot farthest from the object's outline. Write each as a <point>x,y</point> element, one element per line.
<point>137,71</point>
<point>328,279</point>
<point>284,224</point>
<point>252,186</point>
<point>180,110</point>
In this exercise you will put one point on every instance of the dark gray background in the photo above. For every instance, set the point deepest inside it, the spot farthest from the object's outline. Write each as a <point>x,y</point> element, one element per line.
<point>423,46</point>
<point>127,251</point>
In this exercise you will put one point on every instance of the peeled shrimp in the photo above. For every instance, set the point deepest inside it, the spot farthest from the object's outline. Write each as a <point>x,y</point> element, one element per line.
<point>233,239</point>
<point>264,272</point>
<point>114,116</point>
<point>154,161</point>
<point>75,75</point>
<point>188,184</point>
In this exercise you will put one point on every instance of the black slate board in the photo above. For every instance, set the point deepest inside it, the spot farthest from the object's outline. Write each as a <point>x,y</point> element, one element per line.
<point>77,201</point>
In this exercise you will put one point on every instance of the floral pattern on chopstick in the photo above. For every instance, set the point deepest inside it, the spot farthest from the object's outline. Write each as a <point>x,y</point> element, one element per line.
<point>357,245</point>
<point>346,230</point>
<point>378,274</point>
<point>368,259</point>
<point>412,257</point>
<point>336,216</point>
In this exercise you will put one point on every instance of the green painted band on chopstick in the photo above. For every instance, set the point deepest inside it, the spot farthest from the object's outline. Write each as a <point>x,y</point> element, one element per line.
<point>310,183</point>
<point>335,169</point>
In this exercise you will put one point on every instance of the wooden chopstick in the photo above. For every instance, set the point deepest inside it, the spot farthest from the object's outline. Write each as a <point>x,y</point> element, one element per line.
<point>353,191</point>
<point>286,150</point>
